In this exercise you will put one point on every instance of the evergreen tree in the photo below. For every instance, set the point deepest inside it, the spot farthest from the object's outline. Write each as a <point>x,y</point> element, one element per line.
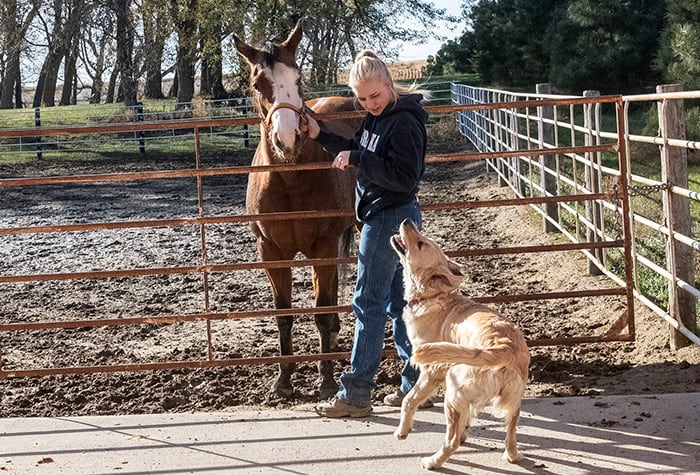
<point>679,54</point>
<point>607,46</point>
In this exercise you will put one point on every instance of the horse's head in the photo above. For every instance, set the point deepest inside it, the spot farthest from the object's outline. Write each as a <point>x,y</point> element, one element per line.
<point>275,83</point>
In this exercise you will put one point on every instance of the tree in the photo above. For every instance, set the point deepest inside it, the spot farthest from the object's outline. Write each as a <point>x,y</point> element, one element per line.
<point>77,40</point>
<point>125,46</point>
<point>507,42</point>
<point>335,31</point>
<point>213,27</point>
<point>97,48</point>
<point>607,46</point>
<point>14,20</point>
<point>184,17</point>
<point>61,21</point>
<point>156,28</point>
<point>455,56</point>
<point>70,73</point>
<point>574,44</point>
<point>678,58</point>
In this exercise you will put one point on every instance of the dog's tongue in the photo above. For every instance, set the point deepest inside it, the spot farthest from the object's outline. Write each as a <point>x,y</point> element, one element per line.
<point>399,241</point>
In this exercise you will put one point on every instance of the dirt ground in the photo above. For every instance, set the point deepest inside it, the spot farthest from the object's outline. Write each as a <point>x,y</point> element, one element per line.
<point>646,365</point>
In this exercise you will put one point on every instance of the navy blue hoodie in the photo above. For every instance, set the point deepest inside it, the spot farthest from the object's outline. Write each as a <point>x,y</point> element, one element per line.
<point>389,153</point>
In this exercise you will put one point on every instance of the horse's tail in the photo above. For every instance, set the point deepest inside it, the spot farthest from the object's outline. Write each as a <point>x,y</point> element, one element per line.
<point>451,353</point>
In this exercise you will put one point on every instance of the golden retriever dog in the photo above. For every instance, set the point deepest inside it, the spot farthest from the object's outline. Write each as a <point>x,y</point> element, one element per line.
<point>477,354</point>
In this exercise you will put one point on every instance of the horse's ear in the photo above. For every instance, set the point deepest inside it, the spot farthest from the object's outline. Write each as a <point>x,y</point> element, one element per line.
<point>294,37</point>
<point>248,52</point>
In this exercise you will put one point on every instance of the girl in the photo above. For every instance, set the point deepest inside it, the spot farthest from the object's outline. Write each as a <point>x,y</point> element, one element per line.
<point>389,153</point>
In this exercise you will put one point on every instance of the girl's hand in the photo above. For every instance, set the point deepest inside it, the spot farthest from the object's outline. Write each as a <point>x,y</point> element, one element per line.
<point>342,160</point>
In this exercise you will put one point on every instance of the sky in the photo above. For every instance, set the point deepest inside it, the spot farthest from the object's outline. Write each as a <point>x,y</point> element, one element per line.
<point>423,49</point>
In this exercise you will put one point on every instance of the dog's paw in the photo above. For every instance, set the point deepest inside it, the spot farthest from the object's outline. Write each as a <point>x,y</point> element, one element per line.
<point>400,435</point>
<point>512,458</point>
<point>429,463</point>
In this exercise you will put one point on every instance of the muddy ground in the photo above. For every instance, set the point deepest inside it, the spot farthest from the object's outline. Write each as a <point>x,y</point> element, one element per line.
<point>646,365</point>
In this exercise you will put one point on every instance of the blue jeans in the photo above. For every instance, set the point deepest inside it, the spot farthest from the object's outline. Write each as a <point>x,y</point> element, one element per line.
<point>378,294</point>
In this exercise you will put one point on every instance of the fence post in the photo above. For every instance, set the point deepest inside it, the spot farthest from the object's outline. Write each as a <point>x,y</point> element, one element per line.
<point>593,208</point>
<point>139,118</point>
<point>37,124</point>
<point>547,162</point>
<point>499,134</point>
<point>674,171</point>
<point>517,144</point>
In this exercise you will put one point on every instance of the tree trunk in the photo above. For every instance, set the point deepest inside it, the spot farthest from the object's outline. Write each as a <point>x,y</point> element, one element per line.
<point>211,83</point>
<point>97,81</point>
<point>154,81</point>
<point>153,47</point>
<point>10,82</point>
<point>19,100</point>
<point>125,46</point>
<point>174,87</point>
<point>212,79</point>
<point>69,75</point>
<point>185,69</point>
<point>11,50</point>
<point>39,90</point>
<point>112,86</point>
<point>53,64</point>
<point>15,24</point>
<point>96,92</point>
<point>66,30</point>
<point>186,27</point>
<point>45,93</point>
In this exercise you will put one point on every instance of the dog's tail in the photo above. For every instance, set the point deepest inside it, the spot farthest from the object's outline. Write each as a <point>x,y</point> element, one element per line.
<point>451,353</point>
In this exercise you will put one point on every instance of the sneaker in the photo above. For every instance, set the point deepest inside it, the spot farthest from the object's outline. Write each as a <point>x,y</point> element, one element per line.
<point>339,408</point>
<point>396,398</point>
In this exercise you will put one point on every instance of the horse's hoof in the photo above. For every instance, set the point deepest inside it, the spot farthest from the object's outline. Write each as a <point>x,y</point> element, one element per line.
<point>328,390</point>
<point>282,389</point>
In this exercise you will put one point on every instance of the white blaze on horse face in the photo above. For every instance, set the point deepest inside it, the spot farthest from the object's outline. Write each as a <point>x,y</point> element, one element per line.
<point>285,122</point>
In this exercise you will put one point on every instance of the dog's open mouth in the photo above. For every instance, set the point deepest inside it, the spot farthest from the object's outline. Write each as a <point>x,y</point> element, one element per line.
<point>398,244</point>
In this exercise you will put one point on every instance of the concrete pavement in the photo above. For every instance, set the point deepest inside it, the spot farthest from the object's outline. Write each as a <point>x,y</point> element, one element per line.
<point>643,434</point>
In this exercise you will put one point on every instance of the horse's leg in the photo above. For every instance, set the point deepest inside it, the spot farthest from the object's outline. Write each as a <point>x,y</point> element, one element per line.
<point>325,280</point>
<point>281,283</point>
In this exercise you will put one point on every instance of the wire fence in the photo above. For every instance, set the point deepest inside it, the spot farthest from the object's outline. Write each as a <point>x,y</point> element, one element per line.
<point>161,140</point>
<point>663,206</point>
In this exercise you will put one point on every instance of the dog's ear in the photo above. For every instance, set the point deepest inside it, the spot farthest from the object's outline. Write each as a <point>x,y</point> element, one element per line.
<point>455,268</point>
<point>443,279</point>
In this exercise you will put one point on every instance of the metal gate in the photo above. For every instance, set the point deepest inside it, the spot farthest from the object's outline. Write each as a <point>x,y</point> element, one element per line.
<point>201,223</point>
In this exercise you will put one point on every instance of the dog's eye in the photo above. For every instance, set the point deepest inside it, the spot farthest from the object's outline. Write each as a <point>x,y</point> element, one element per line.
<point>420,244</point>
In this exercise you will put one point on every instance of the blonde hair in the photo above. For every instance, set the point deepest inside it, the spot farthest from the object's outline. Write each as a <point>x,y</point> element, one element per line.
<point>367,65</point>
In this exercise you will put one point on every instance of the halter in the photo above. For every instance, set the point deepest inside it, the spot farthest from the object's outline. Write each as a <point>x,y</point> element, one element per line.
<point>301,111</point>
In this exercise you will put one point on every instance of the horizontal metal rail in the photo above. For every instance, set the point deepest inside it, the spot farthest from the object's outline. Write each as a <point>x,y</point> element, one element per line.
<point>206,268</point>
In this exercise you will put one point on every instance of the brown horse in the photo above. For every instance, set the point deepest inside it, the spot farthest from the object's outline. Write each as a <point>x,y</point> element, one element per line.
<point>275,84</point>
